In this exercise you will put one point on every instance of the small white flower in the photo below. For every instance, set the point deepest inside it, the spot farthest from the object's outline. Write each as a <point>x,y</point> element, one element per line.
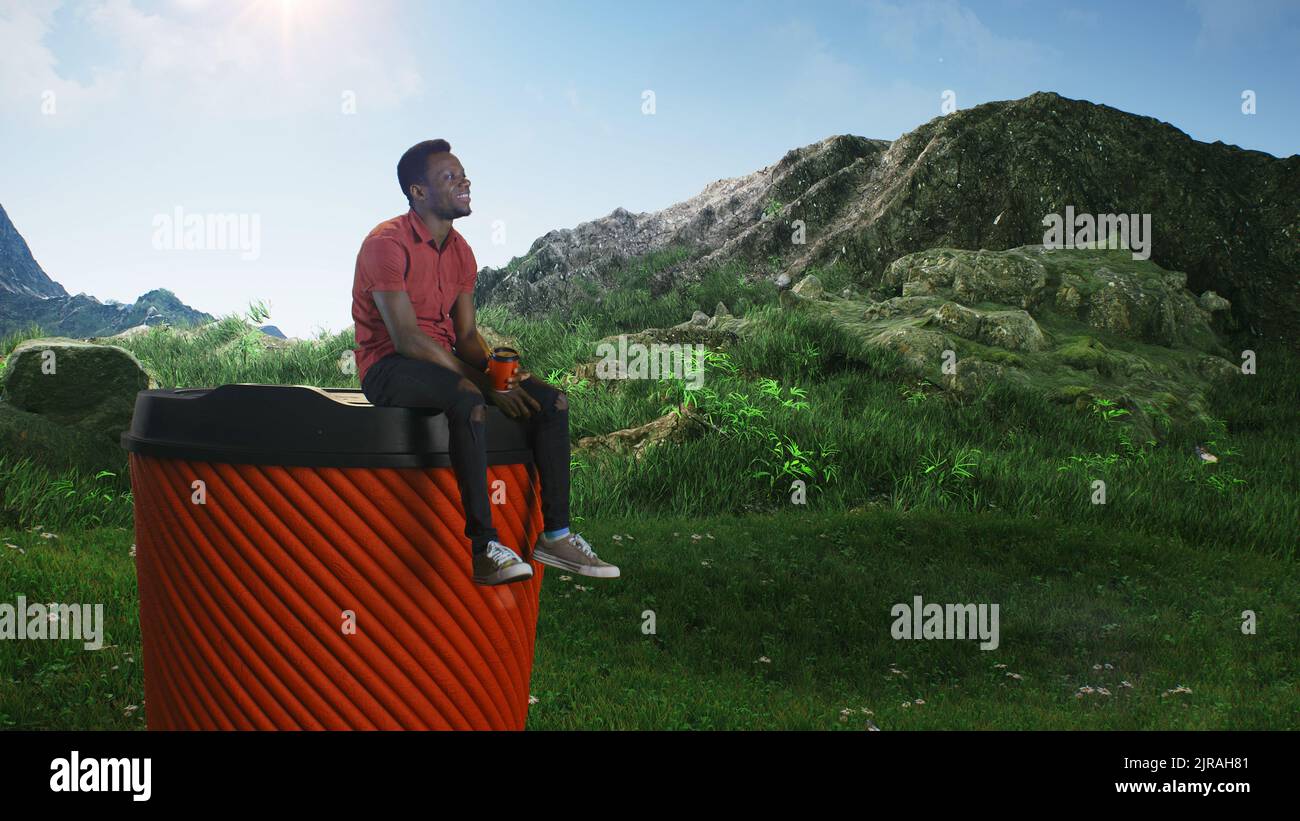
<point>532,699</point>
<point>763,660</point>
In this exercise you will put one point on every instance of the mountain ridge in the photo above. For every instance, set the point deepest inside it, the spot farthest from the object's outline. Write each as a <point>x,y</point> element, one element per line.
<point>979,178</point>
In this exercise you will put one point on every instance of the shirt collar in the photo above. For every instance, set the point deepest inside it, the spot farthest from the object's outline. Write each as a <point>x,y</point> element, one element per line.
<point>422,231</point>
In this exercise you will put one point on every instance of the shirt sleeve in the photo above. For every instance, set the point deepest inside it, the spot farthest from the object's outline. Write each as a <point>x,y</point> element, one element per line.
<point>381,265</point>
<point>470,274</point>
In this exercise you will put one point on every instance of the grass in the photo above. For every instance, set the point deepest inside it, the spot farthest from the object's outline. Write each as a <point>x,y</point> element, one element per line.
<point>906,492</point>
<point>782,621</point>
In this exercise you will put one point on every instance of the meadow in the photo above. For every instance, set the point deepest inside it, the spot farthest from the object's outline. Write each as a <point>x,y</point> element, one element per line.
<point>771,614</point>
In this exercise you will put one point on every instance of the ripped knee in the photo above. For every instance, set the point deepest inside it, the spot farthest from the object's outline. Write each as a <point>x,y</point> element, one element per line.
<point>561,401</point>
<point>478,413</point>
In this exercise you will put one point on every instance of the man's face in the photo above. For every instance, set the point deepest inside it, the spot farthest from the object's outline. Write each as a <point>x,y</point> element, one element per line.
<point>446,189</point>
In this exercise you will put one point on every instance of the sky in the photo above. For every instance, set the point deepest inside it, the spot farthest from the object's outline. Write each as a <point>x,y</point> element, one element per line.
<point>276,125</point>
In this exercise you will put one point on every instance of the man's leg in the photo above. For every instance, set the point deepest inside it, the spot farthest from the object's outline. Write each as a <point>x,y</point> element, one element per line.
<point>549,427</point>
<point>399,381</point>
<point>550,435</point>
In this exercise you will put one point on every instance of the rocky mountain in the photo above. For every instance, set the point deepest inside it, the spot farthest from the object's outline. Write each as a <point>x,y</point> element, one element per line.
<point>28,295</point>
<point>979,178</point>
<point>20,275</point>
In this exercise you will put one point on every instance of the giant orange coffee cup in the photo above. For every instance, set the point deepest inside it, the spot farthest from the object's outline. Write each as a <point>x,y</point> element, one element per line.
<point>502,365</point>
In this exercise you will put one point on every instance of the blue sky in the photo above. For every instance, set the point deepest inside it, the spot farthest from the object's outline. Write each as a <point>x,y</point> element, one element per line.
<point>294,112</point>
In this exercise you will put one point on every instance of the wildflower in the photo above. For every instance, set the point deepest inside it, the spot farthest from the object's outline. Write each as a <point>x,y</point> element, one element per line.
<point>1125,684</point>
<point>1015,676</point>
<point>763,660</point>
<point>532,699</point>
<point>617,537</point>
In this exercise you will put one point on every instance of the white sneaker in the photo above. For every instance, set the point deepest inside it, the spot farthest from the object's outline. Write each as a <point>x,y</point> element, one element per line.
<point>571,552</point>
<point>499,564</point>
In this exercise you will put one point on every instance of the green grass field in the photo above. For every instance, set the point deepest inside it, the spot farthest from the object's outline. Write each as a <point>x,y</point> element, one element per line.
<point>778,614</point>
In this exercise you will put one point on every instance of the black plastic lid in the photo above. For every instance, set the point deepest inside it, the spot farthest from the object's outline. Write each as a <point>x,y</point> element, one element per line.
<point>304,426</point>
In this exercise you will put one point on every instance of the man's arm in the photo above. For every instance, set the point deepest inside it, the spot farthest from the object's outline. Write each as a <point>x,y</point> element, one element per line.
<point>399,316</point>
<point>469,343</point>
<point>398,313</point>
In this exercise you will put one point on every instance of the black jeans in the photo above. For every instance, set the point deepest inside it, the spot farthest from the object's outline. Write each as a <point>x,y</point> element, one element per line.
<point>400,381</point>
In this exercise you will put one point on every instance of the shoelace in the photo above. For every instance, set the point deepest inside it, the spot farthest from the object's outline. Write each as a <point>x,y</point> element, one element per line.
<point>581,543</point>
<point>501,554</point>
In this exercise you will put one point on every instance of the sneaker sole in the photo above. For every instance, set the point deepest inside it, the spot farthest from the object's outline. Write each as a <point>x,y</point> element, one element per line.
<point>606,572</point>
<point>518,573</point>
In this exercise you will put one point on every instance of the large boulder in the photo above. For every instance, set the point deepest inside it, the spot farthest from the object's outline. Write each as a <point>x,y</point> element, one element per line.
<point>67,401</point>
<point>1070,323</point>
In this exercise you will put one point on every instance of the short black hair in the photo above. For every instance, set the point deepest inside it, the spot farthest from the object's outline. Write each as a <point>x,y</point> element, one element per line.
<point>412,165</point>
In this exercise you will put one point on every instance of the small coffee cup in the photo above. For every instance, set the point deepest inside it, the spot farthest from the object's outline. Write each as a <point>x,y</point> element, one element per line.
<point>501,365</point>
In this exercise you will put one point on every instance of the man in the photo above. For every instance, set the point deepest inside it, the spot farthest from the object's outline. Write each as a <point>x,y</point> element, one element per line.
<point>419,347</point>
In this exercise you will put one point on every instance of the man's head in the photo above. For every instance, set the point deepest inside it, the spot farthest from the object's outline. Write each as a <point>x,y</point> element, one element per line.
<point>433,179</point>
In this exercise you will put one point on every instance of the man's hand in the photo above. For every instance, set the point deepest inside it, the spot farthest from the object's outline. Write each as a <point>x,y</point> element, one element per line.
<point>516,402</point>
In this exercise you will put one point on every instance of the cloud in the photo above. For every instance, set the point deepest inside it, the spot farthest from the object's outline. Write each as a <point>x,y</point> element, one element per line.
<point>820,81</point>
<point>253,57</point>
<point>948,27</point>
<point>1230,24</point>
<point>28,69</point>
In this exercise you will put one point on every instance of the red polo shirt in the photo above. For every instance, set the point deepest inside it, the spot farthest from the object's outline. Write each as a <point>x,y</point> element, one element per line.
<point>400,255</point>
